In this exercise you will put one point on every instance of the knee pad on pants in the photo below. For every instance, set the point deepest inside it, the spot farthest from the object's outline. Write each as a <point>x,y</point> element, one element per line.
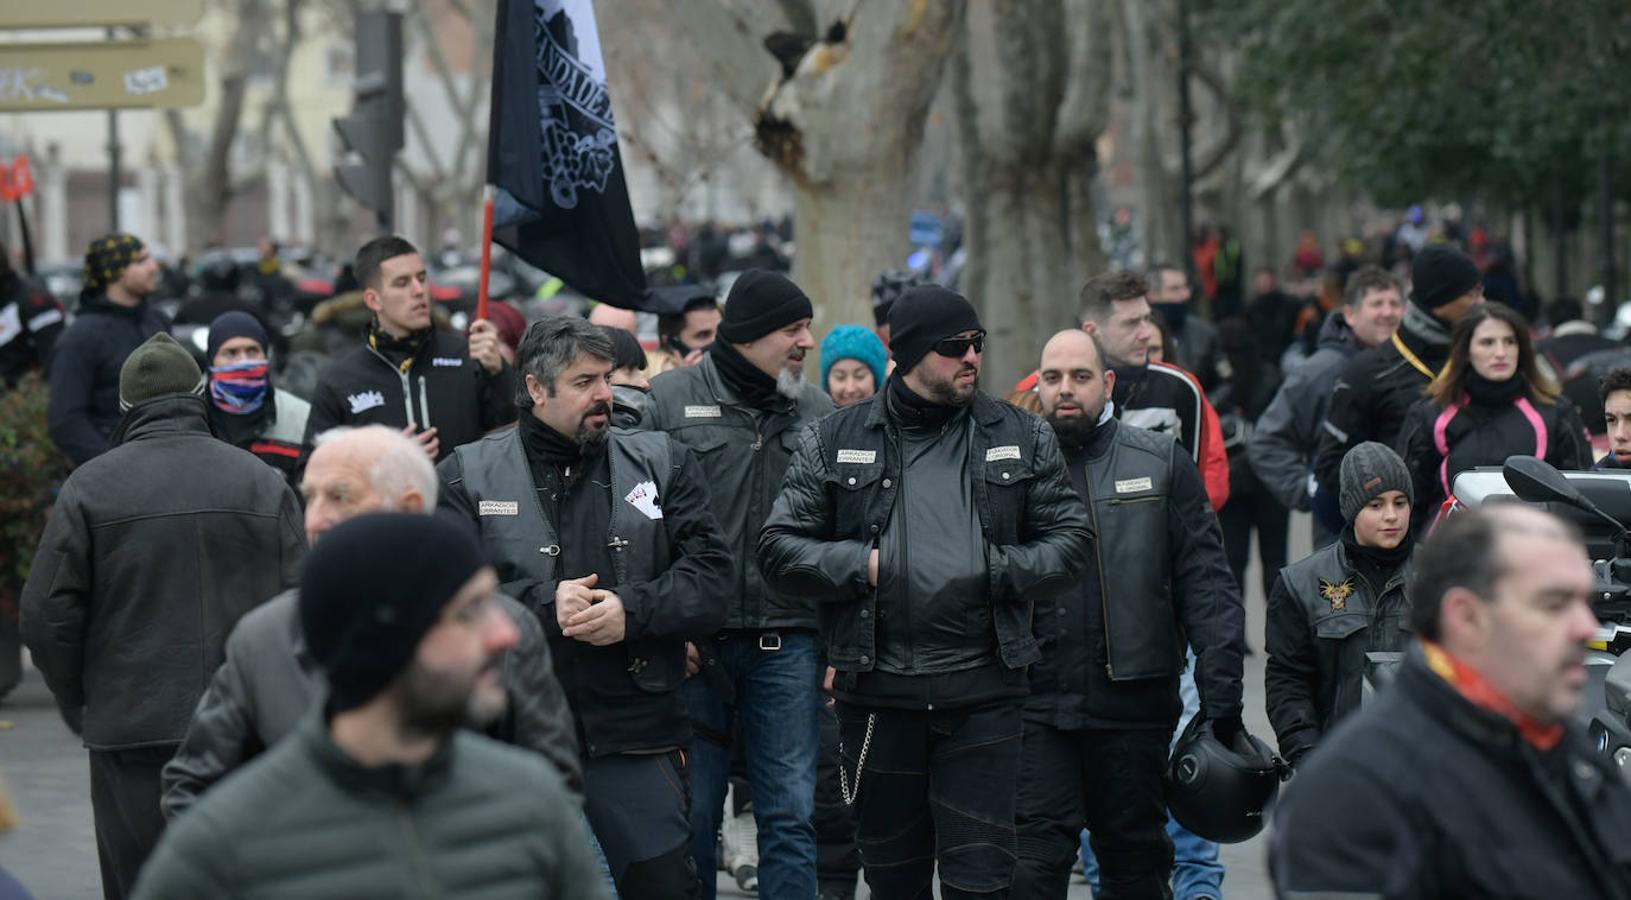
<point>671,876</point>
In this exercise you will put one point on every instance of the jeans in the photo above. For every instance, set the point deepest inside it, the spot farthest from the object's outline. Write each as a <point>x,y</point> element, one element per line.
<point>937,787</point>
<point>777,704</point>
<point>1196,871</point>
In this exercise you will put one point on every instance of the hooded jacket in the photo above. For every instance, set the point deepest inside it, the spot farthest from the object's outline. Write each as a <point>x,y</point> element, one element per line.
<point>152,553</point>
<point>1282,445</point>
<point>269,682</point>
<point>442,388</point>
<point>84,372</point>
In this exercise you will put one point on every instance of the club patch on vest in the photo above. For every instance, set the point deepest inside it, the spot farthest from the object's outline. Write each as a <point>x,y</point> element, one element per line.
<point>644,498</point>
<point>451,362</point>
<point>1134,485</point>
<point>1337,593</point>
<point>857,456</point>
<point>365,401</point>
<point>997,453</point>
<point>702,412</point>
<point>498,508</point>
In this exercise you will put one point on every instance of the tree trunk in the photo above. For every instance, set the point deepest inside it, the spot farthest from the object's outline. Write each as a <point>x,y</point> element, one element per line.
<point>846,232</point>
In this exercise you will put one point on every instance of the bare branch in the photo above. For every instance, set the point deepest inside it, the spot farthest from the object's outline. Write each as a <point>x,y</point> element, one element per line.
<point>1219,152</point>
<point>731,45</point>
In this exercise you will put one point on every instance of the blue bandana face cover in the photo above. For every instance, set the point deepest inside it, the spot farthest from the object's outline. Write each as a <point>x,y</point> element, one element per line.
<point>240,388</point>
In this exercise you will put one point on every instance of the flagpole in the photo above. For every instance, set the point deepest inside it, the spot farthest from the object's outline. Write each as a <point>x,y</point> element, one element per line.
<point>487,194</point>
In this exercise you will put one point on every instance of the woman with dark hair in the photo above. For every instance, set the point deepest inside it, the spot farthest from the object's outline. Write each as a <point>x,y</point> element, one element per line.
<point>1490,401</point>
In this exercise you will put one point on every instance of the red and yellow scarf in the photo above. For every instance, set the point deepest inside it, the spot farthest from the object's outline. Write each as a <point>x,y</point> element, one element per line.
<point>1477,690</point>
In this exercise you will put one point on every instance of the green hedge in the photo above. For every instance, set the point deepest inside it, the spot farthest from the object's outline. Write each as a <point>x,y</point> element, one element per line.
<point>31,470</point>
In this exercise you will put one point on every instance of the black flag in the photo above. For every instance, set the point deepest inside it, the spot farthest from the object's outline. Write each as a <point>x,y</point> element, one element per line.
<point>562,204</point>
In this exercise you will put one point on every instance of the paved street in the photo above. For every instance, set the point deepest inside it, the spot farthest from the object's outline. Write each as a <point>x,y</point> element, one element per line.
<point>53,852</point>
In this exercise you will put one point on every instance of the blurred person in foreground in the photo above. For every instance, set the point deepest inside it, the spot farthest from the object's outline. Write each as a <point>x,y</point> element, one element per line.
<point>1466,777</point>
<point>381,791</point>
<point>269,679</point>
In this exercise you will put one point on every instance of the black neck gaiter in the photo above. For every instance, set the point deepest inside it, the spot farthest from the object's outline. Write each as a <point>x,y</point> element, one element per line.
<point>756,389</point>
<point>399,350</point>
<point>1377,565</point>
<point>1484,392</point>
<point>912,411</point>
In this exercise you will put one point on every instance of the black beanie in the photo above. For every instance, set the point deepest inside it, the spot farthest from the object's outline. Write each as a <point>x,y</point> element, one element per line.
<point>229,325</point>
<point>370,591</point>
<point>761,302</point>
<point>626,349</point>
<point>1440,274</point>
<point>925,316</point>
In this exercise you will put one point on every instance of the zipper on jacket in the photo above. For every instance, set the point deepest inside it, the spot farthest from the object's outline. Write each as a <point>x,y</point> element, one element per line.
<point>407,392</point>
<point>1104,595</point>
<point>424,404</point>
<point>416,849</point>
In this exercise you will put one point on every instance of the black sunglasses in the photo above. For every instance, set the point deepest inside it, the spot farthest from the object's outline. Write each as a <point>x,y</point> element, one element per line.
<point>956,347</point>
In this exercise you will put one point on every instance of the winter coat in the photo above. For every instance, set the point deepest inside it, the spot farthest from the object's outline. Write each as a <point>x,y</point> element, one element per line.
<point>1157,582</point>
<point>269,682</point>
<point>84,372</point>
<point>1424,795</point>
<point>443,388</point>
<point>278,438</point>
<point>152,553</point>
<point>1164,398</point>
<point>31,320</point>
<point>844,487</point>
<point>1282,444</point>
<point>1323,618</point>
<point>744,454</point>
<point>1439,444</point>
<point>307,820</point>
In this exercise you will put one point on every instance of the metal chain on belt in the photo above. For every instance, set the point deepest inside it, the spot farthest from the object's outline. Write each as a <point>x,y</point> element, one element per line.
<point>843,780</point>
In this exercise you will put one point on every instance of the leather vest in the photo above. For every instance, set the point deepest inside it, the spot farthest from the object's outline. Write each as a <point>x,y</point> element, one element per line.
<point>1354,628</point>
<point>1129,488</point>
<point>515,529</point>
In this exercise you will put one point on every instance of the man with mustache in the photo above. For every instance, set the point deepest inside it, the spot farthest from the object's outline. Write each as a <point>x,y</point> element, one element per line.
<point>439,388</point>
<point>607,535</point>
<point>926,520</point>
<point>1106,697</point>
<point>1466,777</point>
<point>742,409</point>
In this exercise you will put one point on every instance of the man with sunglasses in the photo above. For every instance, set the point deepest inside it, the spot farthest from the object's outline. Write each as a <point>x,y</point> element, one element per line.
<point>926,520</point>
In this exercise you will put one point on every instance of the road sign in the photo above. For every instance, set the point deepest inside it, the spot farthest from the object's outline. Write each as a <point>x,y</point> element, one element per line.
<point>166,73</point>
<point>81,13</point>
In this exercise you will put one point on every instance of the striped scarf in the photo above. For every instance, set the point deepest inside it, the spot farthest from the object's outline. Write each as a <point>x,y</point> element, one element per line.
<point>240,388</point>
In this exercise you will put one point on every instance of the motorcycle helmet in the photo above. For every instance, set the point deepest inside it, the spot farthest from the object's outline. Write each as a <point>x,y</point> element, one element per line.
<point>1219,791</point>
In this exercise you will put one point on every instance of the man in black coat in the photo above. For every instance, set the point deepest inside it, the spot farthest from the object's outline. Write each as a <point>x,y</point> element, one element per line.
<point>114,317</point>
<point>1466,776</point>
<point>1378,386</point>
<point>608,536</point>
<point>1105,696</point>
<point>926,521</point>
<point>269,679</point>
<point>441,389</point>
<point>152,553</point>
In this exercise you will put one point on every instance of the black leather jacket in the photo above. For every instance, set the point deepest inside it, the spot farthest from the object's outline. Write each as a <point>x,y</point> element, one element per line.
<point>269,682</point>
<point>152,553</point>
<point>744,453</point>
<point>842,491</point>
<point>1424,795</point>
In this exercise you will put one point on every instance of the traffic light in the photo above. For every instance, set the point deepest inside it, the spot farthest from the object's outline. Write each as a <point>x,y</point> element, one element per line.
<point>373,131</point>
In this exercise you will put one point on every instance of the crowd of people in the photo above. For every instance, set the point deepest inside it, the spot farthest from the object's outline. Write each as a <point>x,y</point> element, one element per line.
<point>541,611</point>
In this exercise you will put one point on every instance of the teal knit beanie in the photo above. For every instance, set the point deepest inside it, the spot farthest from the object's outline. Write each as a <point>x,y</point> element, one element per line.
<point>853,342</point>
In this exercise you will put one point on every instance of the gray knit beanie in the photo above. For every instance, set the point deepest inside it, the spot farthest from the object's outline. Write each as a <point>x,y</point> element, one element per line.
<point>159,366</point>
<point>1369,470</point>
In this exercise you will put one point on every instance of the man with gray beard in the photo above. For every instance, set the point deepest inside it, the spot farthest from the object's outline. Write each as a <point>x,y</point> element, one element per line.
<point>742,409</point>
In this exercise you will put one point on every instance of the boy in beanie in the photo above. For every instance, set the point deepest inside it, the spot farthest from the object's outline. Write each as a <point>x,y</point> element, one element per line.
<point>246,410</point>
<point>901,515</point>
<point>1337,619</point>
<point>742,409</point>
<point>853,364</point>
<point>411,652</point>
<point>1378,386</point>
<point>154,551</point>
<point>114,317</point>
